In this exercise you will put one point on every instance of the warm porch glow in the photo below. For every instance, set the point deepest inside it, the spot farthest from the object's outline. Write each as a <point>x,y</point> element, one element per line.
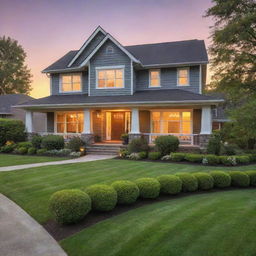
<point>69,122</point>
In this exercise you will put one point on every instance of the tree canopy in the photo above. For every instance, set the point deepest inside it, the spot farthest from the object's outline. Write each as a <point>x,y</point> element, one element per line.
<point>15,77</point>
<point>233,48</point>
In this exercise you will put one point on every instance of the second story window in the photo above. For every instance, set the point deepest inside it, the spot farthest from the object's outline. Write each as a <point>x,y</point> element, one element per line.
<point>154,78</point>
<point>183,77</point>
<point>71,83</point>
<point>110,78</point>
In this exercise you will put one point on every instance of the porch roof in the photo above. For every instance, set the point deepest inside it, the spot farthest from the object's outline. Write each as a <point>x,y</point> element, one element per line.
<point>147,97</point>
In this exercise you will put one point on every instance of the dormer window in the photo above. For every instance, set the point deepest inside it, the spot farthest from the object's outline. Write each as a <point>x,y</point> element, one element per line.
<point>183,76</point>
<point>154,78</point>
<point>109,49</point>
<point>70,83</point>
<point>108,78</point>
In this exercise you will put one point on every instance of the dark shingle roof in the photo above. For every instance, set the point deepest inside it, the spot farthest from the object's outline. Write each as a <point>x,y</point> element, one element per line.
<point>180,52</point>
<point>149,96</point>
<point>190,51</point>
<point>9,100</point>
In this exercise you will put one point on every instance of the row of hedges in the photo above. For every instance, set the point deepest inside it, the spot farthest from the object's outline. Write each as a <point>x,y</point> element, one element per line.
<point>70,206</point>
<point>193,158</point>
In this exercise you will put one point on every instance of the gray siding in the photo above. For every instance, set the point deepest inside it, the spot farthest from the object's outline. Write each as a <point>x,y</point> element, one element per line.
<point>168,79</point>
<point>55,78</point>
<point>89,48</point>
<point>102,58</point>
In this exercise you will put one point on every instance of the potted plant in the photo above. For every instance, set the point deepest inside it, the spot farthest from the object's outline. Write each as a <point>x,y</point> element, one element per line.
<point>125,138</point>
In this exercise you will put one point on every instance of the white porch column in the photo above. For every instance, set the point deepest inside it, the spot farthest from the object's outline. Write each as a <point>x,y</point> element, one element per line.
<point>135,124</point>
<point>29,121</point>
<point>206,120</point>
<point>87,121</point>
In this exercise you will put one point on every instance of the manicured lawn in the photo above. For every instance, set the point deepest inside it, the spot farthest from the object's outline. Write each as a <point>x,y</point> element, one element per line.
<point>217,224</point>
<point>8,160</point>
<point>32,188</point>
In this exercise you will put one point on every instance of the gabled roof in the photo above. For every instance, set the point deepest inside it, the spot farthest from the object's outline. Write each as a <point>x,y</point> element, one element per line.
<point>148,97</point>
<point>148,55</point>
<point>9,100</point>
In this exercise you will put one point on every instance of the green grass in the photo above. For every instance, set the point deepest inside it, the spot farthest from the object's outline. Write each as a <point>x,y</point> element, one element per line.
<point>32,188</point>
<point>8,160</point>
<point>217,224</point>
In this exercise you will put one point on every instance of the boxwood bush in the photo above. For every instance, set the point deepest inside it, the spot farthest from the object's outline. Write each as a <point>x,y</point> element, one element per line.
<point>221,179</point>
<point>25,144</point>
<point>36,141</point>
<point>149,187</point>
<point>8,148</point>
<point>11,130</point>
<point>239,179</point>
<point>70,206</point>
<point>170,184</point>
<point>127,191</point>
<point>51,142</point>
<point>75,143</point>
<point>143,154</point>
<point>205,180</point>
<point>194,158</point>
<point>243,159</point>
<point>21,150</point>
<point>177,157</point>
<point>212,159</point>
<point>41,151</point>
<point>31,151</point>
<point>228,160</point>
<point>104,197</point>
<point>138,145</point>
<point>167,144</point>
<point>189,182</point>
<point>154,155</point>
<point>252,176</point>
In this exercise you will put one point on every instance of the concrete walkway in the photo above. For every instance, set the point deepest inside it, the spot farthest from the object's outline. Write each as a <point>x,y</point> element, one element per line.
<point>20,235</point>
<point>87,158</point>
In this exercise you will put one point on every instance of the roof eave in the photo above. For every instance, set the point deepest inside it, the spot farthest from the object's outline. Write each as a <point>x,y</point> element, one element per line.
<point>176,64</point>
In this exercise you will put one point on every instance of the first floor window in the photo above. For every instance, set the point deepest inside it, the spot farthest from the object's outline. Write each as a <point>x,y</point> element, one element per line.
<point>154,77</point>
<point>71,83</point>
<point>71,122</point>
<point>176,122</point>
<point>183,76</point>
<point>110,78</point>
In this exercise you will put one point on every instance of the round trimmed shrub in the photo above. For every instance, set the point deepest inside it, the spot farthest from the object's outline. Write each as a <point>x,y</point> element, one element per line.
<point>22,150</point>
<point>239,179</point>
<point>189,182</point>
<point>41,151</point>
<point>194,158</point>
<point>154,155</point>
<point>70,205</point>
<point>170,184</point>
<point>36,141</point>
<point>148,187</point>
<point>252,176</point>
<point>104,197</point>
<point>167,144</point>
<point>177,157</point>
<point>51,142</point>
<point>75,143</point>
<point>31,151</point>
<point>205,180</point>
<point>212,159</point>
<point>243,159</point>
<point>221,179</point>
<point>143,154</point>
<point>127,191</point>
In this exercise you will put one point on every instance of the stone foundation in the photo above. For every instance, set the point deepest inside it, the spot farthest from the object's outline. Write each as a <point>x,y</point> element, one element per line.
<point>134,136</point>
<point>203,140</point>
<point>88,138</point>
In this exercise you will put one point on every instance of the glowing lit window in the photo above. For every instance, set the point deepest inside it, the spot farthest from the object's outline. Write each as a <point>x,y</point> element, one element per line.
<point>183,75</point>
<point>71,83</point>
<point>154,77</point>
<point>110,78</point>
<point>71,122</point>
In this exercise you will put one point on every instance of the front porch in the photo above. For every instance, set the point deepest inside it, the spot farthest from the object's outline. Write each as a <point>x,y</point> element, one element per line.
<point>191,124</point>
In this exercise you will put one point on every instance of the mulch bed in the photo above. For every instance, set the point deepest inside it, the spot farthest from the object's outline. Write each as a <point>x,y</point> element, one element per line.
<point>60,232</point>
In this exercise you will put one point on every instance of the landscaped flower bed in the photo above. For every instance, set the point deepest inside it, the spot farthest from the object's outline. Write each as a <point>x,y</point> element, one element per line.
<point>71,206</point>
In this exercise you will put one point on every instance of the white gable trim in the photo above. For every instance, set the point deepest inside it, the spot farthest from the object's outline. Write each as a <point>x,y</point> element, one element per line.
<point>86,43</point>
<point>108,36</point>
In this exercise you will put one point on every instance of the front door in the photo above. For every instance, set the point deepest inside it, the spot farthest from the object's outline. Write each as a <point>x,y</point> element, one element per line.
<point>117,125</point>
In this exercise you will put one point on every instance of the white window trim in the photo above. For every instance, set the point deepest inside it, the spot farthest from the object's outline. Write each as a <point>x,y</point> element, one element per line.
<point>65,123</point>
<point>188,84</point>
<point>122,67</point>
<point>149,79</point>
<point>172,110</point>
<point>60,82</point>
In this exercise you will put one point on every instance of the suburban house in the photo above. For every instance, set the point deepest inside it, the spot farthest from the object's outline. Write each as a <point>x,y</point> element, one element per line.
<point>105,89</point>
<point>7,110</point>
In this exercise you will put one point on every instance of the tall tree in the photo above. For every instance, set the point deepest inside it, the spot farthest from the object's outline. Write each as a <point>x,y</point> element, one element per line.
<point>233,48</point>
<point>15,77</point>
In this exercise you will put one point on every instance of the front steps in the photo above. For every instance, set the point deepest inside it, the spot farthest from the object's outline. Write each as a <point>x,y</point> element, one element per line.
<point>104,149</point>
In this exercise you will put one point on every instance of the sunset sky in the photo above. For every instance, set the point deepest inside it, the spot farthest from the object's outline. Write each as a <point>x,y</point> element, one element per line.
<point>47,29</point>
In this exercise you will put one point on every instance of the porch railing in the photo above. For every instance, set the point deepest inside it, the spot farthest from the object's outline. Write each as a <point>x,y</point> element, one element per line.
<point>185,139</point>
